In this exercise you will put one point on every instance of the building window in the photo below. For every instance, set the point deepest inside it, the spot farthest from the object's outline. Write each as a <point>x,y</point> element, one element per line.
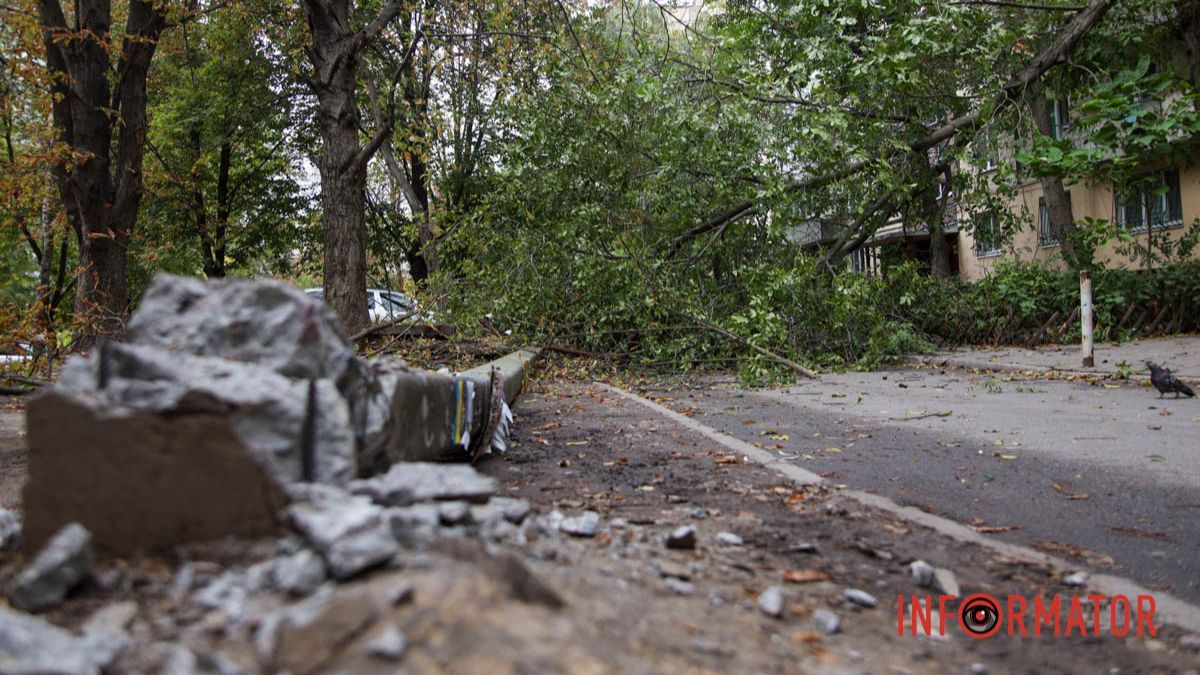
<point>987,235</point>
<point>1046,234</point>
<point>1060,118</point>
<point>1162,207</point>
<point>983,150</point>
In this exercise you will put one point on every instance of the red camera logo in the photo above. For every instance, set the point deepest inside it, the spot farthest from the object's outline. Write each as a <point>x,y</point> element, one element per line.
<point>981,616</point>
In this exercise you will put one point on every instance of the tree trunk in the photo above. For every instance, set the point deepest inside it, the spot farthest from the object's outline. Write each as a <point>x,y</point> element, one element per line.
<point>100,182</point>
<point>1189,22</point>
<point>1058,202</point>
<point>334,55</point>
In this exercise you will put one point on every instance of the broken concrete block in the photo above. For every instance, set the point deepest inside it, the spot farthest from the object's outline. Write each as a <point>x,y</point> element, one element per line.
<point>275,326</point>
<point>267,323</point>
<point>269,412</point>
<point>62,564</point>
<point>31,645</point>
<point>10,530</point>
<point>142,481</point>
<point>350,532</point>
<point>413,482</point>
<point>583,525</point>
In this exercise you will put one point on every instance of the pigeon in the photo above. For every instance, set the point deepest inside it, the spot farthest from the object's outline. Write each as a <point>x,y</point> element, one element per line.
<point>1165,382</point>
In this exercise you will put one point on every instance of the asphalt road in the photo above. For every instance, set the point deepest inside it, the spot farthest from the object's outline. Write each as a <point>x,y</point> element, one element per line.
<point>1099,473</point>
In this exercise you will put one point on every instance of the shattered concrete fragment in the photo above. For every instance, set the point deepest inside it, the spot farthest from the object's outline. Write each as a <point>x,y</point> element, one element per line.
<point>300,573</point>
<point>729,539</point>
<point>826,621</point>
<point>10,530</point>
<point>682,538</point>
<point>583,525</point>
<point>679,586</point>
<point>267,323</point>
<point>945,582</point>
<point>170,432</point>
<point>1076,579</point>
<point>511,509</point>
<point>112,618</point>
<point>407,483</point>
<point>922,573</point>
<point>30,645</point>
<point>415,525</point>
<point>62,564</point>
<point>771,602</point>
<point>389,644</point>
<point>454,513</point>
<point>350,532</point>
<point>858,597</point>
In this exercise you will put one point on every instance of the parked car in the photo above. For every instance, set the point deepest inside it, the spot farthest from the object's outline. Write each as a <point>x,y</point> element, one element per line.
<point>18,352</point>
<point>384,305</point>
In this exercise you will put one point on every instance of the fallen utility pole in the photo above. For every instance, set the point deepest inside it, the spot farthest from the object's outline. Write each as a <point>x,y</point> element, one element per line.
<point>439,416</point>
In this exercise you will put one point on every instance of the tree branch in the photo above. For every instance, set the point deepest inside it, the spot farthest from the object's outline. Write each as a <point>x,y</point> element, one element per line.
<point>1053,55</point>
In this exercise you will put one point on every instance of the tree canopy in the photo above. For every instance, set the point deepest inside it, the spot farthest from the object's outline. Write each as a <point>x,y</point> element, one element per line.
<point>624,171</point>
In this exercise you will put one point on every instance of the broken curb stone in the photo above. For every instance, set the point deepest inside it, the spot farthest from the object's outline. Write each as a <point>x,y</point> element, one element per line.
<point>860,598</point>
<point>770,602</point>
<point>64,562</point>
<point>583,525</point>
<point>682,538</point>
<point>407,483</point>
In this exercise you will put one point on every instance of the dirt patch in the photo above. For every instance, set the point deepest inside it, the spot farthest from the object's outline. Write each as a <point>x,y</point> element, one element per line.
<point>580,448</point>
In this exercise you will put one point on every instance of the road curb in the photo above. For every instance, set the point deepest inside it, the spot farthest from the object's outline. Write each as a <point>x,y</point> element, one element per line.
<point>1169,609</point>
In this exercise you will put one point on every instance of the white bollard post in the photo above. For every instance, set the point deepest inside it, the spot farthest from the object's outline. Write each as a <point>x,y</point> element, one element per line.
<point>1085,316</point>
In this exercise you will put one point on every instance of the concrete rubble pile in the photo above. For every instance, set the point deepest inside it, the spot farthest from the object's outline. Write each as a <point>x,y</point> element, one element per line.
<point>239,409</point>
<point>223,396</point>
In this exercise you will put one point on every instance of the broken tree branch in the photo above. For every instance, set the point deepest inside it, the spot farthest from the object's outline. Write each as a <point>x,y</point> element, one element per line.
<point>379,327</point>
<point>765,352</point>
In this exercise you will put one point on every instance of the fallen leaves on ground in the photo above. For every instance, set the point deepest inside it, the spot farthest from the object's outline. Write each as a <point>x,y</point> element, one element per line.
<point>1073,551</point>
<point>1143,534</point>
<point>807,576</point>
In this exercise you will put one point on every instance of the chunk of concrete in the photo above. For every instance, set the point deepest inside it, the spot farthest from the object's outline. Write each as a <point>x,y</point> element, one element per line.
<point>267,323</point>
<point>300,573</point>
<point>63,564</point>
<point>142,481</point>
<point>30,645</point>
<point>413,482</point>
<point>10,530</point>
<point>268,412</point>
<point>350,532</point>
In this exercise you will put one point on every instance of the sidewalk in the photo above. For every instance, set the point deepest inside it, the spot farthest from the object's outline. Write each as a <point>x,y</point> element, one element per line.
<point>1181,354</point>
